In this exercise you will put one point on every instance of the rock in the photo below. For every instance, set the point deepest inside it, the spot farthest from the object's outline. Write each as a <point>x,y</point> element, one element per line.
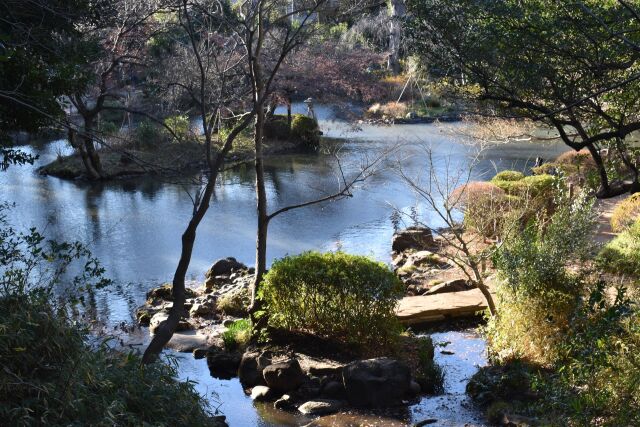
<point>251,366</point>
<point>223,364</point>
<point>285,403</point>
<point>224,266</point>
<point>455,285</point>
<point>321,407</point>
<point>219,421</point>
<point>423,258</point>
<point>163,315</point>
<point>144,315</point>
<point>284,376</point>
<point>164,292</point>
<point>434,308</point>
<point>414,388</point>
<point>200,353</point>
<point>418,238</point>
<point>261,393</point>
<point>228,322</point>
<point>204,308</point>
<point>187,341</point>
<point>334,390</point>
<point>376,382</point>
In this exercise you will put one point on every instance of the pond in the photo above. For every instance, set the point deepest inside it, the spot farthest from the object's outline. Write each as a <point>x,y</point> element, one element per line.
<point>134,226</point>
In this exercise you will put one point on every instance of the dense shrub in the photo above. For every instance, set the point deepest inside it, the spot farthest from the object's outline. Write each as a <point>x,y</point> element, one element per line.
<point>305,130</point>
<point>580,158</point>
<point>508,176</point>
<point>530,186</point>
<point>180,126</point>
<point>626,213</point>
<point>277,128</point>
<point>484,206</point>
<point>622,254</point>
<point>337,296</point>
<point>539,294</point>
<point>51,374</point>
<point>147,135</point>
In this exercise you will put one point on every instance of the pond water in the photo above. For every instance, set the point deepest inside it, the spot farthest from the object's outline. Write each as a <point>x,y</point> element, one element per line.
<point>134,226</point>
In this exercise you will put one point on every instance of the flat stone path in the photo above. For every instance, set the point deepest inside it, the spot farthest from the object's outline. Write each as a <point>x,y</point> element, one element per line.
<point>438,307</point>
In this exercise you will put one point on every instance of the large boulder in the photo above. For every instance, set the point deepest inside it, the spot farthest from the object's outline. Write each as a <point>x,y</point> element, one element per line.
<point>418,238</point>
<point>251,366</point>
<point>284,376</point>
<point>165,293</point>
<point>376,382</point>
<point>225,266</point>
<point>222,364</point>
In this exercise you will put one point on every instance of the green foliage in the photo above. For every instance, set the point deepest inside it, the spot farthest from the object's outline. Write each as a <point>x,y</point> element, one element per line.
<point>338,296</point>
<point>508,175</point>
<point>622,254</point>
<point>237,335</point>
<point>430,375</point>
<point>539,294</point>
<point>277,128</point>
<point>626,213</point>
<point>530,186</point>
<point>305,130</point>
<point>180,126</point>
<point>147,135</point>
<point>602,361</point>
<point>51,374</point>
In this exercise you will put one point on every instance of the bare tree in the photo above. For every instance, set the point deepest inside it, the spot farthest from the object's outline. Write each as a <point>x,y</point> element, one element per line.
<point>213,54</point>
<point>443,191</point>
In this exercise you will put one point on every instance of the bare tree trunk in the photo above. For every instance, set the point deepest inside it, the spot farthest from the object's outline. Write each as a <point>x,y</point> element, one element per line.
<point>94,158</point>
<point>80,147</point>
<point>263,217</point>
<point>605,188</point>
<point>166,329</point>
<point>397,11</point>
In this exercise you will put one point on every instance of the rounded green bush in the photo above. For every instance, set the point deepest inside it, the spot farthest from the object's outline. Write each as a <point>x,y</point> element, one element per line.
<point>277,128</point>
<point>508,176</point>
<point>305,129</point>
<point>529,186</point>
<point>337,296</point>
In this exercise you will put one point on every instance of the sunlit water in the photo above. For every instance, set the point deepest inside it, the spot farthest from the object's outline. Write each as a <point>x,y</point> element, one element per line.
<point>134,226</point>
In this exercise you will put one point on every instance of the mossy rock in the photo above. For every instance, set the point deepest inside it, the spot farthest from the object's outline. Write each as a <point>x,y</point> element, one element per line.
<point>305,130</point>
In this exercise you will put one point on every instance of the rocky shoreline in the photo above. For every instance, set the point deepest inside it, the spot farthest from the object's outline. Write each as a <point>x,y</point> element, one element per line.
<point>298,374</point>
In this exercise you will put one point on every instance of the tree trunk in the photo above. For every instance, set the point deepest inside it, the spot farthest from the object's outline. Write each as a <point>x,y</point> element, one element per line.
<point>167,328</point>
<point>289,113</point>
<point>92,154</point>
<point>605,188</point>
<point>79,146</point>
<point>635,184</point>
<point>397,11</point>
<point>263,217</point>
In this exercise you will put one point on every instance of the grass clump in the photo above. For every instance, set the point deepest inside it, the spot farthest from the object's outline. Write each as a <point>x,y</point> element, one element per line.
<point>237,335</point>
<point>626,213</point>
<point>337,296</point>
<point>235,303</point>
<point>622,254</point>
